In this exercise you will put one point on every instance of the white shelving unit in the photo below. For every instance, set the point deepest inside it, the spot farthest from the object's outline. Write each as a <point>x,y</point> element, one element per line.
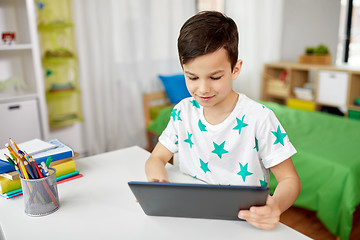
<point>21,61</point>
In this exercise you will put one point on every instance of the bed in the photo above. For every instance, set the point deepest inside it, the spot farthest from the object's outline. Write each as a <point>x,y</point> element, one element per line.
<point>328,162</point>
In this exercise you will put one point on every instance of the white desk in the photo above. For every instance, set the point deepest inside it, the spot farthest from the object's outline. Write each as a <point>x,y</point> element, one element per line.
<point>100,205</point>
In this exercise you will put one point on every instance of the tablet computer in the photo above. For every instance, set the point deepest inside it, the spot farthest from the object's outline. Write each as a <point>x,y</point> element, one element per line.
<point>196,200</point>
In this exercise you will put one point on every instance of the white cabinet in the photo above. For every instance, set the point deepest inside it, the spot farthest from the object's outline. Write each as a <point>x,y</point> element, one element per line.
<point>20,120</point>
<point>21,79</point>
<point>333,88</point>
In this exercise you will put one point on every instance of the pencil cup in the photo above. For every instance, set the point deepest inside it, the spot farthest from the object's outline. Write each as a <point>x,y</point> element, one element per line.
<point>41,195</point>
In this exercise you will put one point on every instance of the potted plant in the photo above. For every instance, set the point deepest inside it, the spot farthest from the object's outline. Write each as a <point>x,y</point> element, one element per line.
<point>316,55</point>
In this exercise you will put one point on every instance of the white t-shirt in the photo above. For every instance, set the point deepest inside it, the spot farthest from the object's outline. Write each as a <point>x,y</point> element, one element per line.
<point>238,151</point>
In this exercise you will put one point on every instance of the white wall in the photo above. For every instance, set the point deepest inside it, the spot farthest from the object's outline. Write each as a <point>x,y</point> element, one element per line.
<point>71,136</point>
<point>309,23</point>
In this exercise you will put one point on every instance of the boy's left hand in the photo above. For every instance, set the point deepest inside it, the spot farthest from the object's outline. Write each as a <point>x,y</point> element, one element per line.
<point>264,217</point>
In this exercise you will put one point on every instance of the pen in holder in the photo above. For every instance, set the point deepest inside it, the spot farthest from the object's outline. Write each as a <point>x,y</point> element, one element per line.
<point>41,195</point>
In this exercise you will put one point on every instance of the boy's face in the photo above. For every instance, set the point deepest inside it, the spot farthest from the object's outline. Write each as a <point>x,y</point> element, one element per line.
<point>209,78</point>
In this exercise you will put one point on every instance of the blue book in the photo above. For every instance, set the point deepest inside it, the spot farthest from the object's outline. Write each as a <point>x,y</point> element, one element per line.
<point>61,151</point>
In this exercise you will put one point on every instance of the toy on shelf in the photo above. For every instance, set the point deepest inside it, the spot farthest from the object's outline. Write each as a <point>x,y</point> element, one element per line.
<point>8,38</point>
<point>12,85</point>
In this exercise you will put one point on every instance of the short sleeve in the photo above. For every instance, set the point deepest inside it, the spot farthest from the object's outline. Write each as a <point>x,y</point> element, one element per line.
<point>273,142</point>
<point>169,137</point>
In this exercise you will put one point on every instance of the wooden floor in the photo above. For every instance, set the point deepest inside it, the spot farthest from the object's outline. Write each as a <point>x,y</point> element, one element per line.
<point>307,223</point>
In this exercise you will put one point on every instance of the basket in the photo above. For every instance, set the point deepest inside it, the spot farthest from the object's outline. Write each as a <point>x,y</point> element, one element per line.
<point>315,59</point>
<point>60,74</point>
<point>64,108</point>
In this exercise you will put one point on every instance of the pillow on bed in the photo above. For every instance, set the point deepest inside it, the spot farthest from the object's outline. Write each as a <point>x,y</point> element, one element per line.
<point>175,87</point>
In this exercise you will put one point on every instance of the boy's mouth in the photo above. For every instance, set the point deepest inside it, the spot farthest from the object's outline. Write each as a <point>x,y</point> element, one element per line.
<point>206,99</point>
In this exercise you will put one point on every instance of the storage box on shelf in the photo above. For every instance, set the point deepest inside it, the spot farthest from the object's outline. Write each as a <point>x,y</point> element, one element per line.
<point>311,87</point>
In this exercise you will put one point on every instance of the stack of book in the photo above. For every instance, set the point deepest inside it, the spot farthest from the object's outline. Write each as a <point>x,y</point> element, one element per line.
<point>62,160</point>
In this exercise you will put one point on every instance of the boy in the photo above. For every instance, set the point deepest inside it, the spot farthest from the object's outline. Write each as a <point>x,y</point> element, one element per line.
<point>223,137</point>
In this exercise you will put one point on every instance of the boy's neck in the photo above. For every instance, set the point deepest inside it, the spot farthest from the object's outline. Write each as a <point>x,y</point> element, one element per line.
<point>217,114</point>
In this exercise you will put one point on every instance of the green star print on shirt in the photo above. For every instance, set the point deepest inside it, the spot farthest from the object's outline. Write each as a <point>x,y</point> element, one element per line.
<point>202,126</point>
<point>263,183</point>
<point>204,166</point>
<point>244,172</point>
<point>279,136</point>
<point>188,140</point>
<point>195,103</point>
<point>240,124</point>
<point>256,145</point>
<point>219,149</point>
<point>174,114</point>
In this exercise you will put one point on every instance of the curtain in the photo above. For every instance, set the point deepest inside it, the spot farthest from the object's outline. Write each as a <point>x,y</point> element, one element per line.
<point>122,46</point>
<point>260,30</point>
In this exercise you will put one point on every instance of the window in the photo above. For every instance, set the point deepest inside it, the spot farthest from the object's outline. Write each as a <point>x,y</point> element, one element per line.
<point>210,5</point>
<point>349,33</point>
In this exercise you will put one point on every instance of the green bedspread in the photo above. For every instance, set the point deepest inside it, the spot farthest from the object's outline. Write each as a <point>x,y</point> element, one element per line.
<point>328,162</point>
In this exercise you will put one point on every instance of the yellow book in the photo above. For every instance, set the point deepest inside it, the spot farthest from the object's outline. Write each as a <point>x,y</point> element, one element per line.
<point>7,185</point>
<point>15,175</point>
<point>301,104</point>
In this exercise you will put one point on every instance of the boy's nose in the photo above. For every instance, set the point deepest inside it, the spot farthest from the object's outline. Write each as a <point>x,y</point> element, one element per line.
<point>204,87</point>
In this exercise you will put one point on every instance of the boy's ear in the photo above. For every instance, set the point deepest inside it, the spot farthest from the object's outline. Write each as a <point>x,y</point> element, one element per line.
<point>237,69</point>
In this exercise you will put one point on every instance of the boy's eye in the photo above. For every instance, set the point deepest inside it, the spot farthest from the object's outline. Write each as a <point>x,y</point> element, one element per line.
<point>193,78</point>
<point>215,78</point>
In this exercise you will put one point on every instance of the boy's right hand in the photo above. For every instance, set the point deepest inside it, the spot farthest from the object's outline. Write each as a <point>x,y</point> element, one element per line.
<point>155,166</point>
<point>155,180</point>
<point>158,180</point>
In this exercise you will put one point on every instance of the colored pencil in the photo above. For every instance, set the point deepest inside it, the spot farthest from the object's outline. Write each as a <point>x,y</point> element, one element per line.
<point>24,171</point>
<point>26,164</point>
<point>11,150</point>
<point>28,168</point>
<point>19,162</point>
<point>48,161</point>
<point>10,160</point>
<point>13,163</point>
<point>32,170</point>
<point>31,164</point>
<point>14,144</point>
<point>36,166</point>
<point>50,193</point>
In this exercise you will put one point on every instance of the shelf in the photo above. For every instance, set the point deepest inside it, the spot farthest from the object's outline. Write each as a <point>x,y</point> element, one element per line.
<point>320,104</point>
<point>20,65</point>
<point>354,107</point>
<point>340,84</point>
<point>19,96</point>
<point>50,27</point>
<point>15,47</point>
<point>57,59</point>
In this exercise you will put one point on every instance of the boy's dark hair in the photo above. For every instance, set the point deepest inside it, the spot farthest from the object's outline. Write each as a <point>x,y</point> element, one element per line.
<point>205,33</point>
